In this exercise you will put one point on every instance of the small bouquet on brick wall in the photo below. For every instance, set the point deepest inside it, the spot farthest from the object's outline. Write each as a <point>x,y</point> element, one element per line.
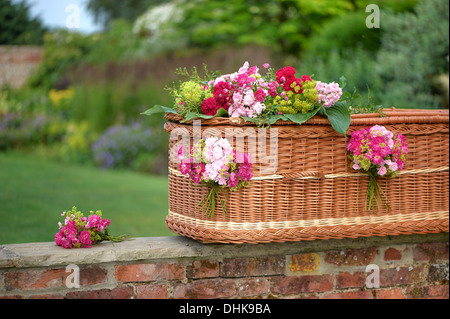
<point>215,164</point>
<point>378,152</point>
<point>80,231</point>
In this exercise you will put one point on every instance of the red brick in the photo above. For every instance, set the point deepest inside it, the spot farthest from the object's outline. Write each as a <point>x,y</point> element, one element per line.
<point>35,279</point>
<point>394,293</point>
<point>253,287</point>
<point>301,284</point>
<point>116,293</point>
<point>12,297</point>
<point>428,292</point>
<point>351,257</point>
<point>438,273</point>
<point>206,289</point>
<point>148,272</point>
<point>392,254</point>
<point>430,251</point>
<point>151,291</point>
<point>258,266</point>
<point>203,269</point>
<point>350,280</point>
<point>93,275</point>
<point>401,276</point>
<point>349,295</point>
<point>304,262</point>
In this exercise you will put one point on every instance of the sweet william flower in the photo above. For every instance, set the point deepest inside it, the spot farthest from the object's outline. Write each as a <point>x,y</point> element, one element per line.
<point>233,181</point>
<point>260,95</point>
<point>382,171</point>
<point>379,152</point>
<point>209,106</point>
<point>85,239</point>
<point>77,233</point>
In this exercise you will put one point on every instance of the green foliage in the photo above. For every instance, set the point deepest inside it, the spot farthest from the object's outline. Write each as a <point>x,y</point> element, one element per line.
<point>282,25</point>
<point>343,34</point>
<point>77,143</point>
<point>17,26</point>
<point>105,11</point>
<point>62,50</point>
<point>65,50</point>
<point>414,51</point>
<point>18,130</point>
<point>118,44</point>
<point>115,102</point>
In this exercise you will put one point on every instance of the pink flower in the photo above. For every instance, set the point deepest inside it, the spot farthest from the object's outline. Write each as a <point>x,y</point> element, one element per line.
<point>243,79</point>
<point>260,95</point>
<point>93,221</point>
<point>382,170</point>
<point>60,237</point>
<point>185,168</point>
<point>85,239</point>
<point>233,181</point>
<point>266,65</point>
<point>244,172</point>
<point>328,94</point>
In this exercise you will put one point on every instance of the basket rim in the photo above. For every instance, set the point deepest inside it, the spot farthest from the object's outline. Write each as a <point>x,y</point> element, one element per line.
<point>392,116</point>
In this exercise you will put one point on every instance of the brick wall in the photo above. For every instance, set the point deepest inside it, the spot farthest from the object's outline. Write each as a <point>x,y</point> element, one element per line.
<point>413,266</point>
<point>17,63</point>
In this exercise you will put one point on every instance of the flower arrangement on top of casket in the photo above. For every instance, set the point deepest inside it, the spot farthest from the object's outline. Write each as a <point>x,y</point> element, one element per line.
<point>272,158</point>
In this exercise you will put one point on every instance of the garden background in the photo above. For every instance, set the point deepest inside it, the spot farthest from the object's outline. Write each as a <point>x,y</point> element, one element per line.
<point>73,135</point>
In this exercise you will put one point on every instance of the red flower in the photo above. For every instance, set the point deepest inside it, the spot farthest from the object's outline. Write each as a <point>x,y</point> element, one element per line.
<point>222,93</point>
<point>284,74</point>
<point>260,95</point>
<point>306,78</point>
<point>209,106</point>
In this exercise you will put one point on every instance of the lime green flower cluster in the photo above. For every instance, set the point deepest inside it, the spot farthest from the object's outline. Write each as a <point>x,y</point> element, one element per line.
<point>190,96</point>
<point>293,103</point>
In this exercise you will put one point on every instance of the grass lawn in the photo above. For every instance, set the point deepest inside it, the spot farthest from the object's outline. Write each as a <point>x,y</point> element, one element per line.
<point>34,192</point>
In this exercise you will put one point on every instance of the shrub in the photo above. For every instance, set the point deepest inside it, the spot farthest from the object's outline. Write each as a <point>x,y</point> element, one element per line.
<point>23,130</point>
<point>77,143</point>
<point>120,145</point>
<point>414,53</point>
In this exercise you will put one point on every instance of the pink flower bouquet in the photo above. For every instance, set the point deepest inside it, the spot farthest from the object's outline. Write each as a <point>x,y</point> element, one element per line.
<point>215,164</point>
<point>83,232</point>
<point>378,152</point>
<point>260,97</point>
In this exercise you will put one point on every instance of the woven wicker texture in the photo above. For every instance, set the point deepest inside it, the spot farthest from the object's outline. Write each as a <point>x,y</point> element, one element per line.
<point>314,193</point>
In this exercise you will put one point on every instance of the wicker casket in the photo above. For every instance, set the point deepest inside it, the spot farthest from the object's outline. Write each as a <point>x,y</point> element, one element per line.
<point>304,188</point>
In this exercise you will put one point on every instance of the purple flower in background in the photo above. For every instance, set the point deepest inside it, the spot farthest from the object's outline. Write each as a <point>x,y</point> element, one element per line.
<point>120,145</point>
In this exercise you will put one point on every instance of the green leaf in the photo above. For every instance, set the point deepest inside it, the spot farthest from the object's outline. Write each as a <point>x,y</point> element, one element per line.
<point>192,115</point>
<point>159,109</point>
<point>300,117</point>
<point>347,95</point>
<point>339,117</point>
<point>342,82</point>
<point>275,117</point>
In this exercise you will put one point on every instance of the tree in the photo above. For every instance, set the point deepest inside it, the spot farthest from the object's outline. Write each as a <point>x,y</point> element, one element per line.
<point>414,54</point>
<point>284,25</point>
<point>17,26</point>
<point>105,11</point>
